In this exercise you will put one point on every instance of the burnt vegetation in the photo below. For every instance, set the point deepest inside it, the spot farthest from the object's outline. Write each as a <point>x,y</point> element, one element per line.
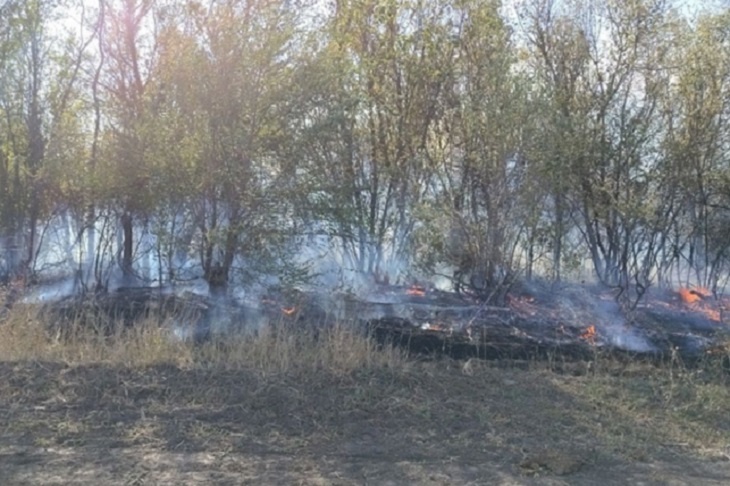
<point>488,156</point>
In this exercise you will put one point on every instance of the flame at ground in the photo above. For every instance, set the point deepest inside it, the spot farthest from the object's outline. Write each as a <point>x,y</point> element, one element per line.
<point>697,299</point>
<point>690,296</point>
<point>589,334</point>
<point>520,298</point>
<point>416,290</point>
<point>440,327</point>
<point>289,311</point>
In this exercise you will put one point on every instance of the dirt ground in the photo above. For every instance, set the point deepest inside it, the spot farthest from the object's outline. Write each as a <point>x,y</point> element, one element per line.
<point>436,423</point>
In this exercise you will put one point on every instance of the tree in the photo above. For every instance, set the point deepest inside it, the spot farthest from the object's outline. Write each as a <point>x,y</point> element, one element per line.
<point>224,77</point>
<point>381,76</point>
<point>40,73</point>
<point>129,51</point>
<point>697,135</point>
<point>601,68</point>
<point>483,172</point>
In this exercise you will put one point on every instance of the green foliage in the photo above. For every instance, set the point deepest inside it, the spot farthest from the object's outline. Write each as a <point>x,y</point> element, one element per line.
<point>427,133</point>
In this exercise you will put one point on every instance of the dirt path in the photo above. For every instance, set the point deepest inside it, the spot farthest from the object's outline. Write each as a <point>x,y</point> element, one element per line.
<point>432,425</point>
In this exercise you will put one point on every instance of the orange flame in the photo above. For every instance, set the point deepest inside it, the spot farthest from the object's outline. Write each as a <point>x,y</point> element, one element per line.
<point>416,290</point>
<point>713,315</point>
<point>520,298</point>
<point>697,299</point>
<point>289,311</point>
<point>589,334</point>
<point>429,326</point>
<point>690,296</point>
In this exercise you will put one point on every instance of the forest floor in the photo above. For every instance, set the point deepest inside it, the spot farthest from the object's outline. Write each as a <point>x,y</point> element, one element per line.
<point>425,423</point>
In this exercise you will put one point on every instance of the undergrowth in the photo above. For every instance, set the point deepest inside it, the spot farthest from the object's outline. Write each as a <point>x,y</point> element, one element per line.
<point>28,334</point>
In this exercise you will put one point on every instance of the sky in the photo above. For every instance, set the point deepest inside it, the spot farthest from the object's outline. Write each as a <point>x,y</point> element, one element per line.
<point>692,6</point>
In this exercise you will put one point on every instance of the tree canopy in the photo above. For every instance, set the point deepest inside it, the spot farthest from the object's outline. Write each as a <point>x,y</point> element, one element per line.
<point>262,139</point>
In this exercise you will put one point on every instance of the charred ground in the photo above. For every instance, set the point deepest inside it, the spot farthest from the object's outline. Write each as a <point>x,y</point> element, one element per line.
<point>534,321</point>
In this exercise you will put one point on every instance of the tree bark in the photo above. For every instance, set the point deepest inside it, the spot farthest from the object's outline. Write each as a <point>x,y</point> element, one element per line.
<point>127,245</point>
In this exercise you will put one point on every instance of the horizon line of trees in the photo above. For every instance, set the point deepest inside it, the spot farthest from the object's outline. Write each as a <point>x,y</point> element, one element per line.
<point>499,141</point>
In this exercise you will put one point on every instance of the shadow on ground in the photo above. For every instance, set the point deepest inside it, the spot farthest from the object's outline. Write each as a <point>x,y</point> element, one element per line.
<point>434,423</point>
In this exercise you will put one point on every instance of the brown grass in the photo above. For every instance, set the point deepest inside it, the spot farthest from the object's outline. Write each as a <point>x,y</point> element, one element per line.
<point>28,336</point>
<point>291,401</point>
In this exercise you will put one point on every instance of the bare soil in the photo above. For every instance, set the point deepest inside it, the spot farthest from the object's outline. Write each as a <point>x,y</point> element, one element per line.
<point>437,423</point>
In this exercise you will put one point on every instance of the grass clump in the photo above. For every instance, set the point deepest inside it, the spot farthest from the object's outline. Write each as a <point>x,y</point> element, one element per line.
<point>30,335</point>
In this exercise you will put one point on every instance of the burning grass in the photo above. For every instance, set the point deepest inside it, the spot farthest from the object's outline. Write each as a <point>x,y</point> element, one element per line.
<point>416,290</point>
<point>589,334</point>
<point>691,296</point>
<point>702,301</point>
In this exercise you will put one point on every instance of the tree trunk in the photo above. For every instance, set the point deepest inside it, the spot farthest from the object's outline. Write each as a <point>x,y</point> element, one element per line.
<point>558,238</point>
<point>127,245</point>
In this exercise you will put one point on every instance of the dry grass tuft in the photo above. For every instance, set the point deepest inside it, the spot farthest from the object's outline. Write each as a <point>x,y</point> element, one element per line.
<point>23,336</point>
<point>29,336</point>
<point>338,350</point>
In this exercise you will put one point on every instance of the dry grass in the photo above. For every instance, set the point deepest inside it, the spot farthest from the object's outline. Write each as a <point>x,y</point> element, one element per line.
<point>637,407</point>
<point>341,408</point>
<point>28,336</point>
